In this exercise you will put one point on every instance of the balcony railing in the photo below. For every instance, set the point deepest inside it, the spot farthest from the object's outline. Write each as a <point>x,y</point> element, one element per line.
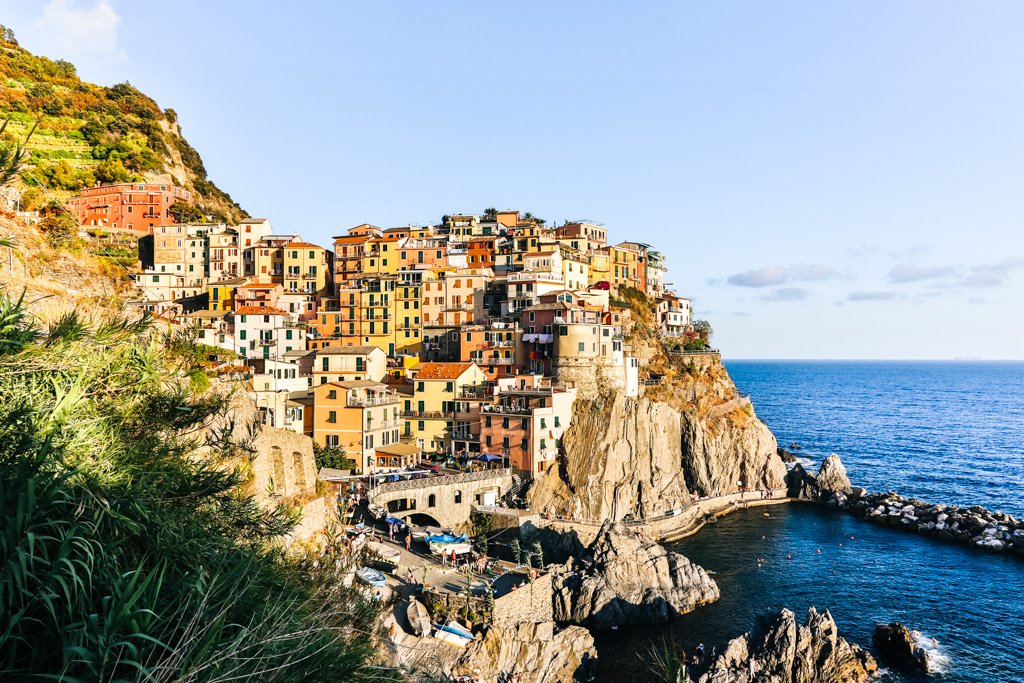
<point>368,401</point>
<point>426,414</point>
<point>501,409</point>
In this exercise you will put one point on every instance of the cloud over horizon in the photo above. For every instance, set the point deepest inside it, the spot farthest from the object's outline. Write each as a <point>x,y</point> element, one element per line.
<point>992,274</point>
<point>871,296</point>
<point>769,276</point>
<point>903,273</point>
<point>787,294</point>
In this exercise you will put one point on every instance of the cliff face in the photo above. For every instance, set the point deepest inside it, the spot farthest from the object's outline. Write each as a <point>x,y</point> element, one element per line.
<point>537,651</point>
<point>644,456</point>
<point>626,579</point>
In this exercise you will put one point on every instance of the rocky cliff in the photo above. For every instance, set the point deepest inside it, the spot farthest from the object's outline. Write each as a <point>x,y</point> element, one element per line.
<point>627,579</point>
<point>643,456</point>
<point>540,652</point>
<point>784,651</point>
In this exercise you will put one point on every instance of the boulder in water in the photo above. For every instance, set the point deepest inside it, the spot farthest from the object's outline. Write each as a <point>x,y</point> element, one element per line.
<point>832,476</point>
<point>897,645</point>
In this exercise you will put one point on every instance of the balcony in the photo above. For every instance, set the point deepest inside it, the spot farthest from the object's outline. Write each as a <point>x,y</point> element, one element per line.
<point>477,392</point>
<point>503,409</point>
<point>425,414</point>
<point>465,436</point>
<point>377,400</point>
<point>309,276</point>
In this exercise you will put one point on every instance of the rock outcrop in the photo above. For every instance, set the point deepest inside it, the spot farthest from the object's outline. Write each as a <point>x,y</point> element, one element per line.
<point>896,645</point>
<point>784,651</point>
<point>830,482</point>
<point>626,579</point>
<point>541,652</point>
<point>832,476</point>
<point>642,457</point>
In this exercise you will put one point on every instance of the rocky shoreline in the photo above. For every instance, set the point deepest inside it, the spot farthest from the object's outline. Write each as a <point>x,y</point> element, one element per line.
<point>974,526</point>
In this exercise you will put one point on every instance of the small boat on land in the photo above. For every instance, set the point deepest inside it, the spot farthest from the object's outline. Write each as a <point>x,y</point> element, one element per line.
<point>421,533</point>
<point>371,577</point>
<point>377,511</point>
<point>453,634</point>
<point>418,618</point>
<point>384,553</point>
<point>446,538</point>
<point>449,548</point>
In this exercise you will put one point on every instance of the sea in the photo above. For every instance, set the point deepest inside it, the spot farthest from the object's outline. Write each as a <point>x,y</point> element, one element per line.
<point>944,432</point>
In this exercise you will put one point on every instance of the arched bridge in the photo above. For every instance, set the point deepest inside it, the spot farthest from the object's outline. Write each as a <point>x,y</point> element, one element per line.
<point>446,500</point>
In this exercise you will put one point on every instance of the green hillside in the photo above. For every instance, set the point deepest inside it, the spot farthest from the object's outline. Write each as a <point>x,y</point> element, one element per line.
<point>82,133</point>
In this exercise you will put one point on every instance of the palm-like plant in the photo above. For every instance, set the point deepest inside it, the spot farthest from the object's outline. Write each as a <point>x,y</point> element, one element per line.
<point>12,158</point>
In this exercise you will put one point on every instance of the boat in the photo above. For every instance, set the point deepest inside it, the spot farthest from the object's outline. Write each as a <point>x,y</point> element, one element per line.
<point>421,533</point>
<point>453,634</point>
<point>418,618</point>
<point>371,577</point>
<point>445,538</point>
<point>457,548</point>
<point>377,511</point>
<point>395,520</point>
<point>387,555</point>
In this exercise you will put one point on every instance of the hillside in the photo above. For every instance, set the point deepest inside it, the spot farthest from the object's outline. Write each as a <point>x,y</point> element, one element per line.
<point>82,133</point>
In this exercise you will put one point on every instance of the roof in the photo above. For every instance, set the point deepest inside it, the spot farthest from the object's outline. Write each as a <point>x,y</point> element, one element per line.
<point>328,473</point>
<point>354,384</point>
<point>297,353</point>
<point>554,306</point>
<point>206,315</point>
<point>441,370</point>
<point>347,350</point>
<point>229,281</point>
<point>304,245</point>
<point>399,449</point>
<point>259,310</point>
<point>260,285</point>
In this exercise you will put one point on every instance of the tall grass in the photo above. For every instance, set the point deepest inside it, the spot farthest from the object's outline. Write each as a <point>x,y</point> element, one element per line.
<point>125,556</point>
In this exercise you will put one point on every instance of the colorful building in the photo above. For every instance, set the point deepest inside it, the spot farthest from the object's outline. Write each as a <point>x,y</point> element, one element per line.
<point>128,206</point>
<point>360,417</point>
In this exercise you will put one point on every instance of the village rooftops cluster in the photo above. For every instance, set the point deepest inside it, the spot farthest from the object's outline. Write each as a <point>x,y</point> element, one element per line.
<point>467,337</point>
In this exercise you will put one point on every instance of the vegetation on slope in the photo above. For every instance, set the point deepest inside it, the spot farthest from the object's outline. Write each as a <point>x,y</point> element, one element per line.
<point>82,133</point>
<point>126,556</point>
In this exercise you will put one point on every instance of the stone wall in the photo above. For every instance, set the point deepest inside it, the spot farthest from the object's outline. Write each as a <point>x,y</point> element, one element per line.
<point>528,604</point>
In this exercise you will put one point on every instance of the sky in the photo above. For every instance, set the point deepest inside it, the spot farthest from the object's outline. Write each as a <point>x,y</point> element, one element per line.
<point>826,180</point>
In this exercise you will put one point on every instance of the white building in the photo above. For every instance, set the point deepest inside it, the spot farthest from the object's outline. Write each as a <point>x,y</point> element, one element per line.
<point>265,332</point>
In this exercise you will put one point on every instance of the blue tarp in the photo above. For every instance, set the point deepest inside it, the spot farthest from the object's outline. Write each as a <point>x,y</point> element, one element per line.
<point>446,538</point>
<point>489,457</point>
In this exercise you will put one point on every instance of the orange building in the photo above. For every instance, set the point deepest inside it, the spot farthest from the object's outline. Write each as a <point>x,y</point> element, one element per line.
<point>128,206</point>
<point>360,416</point>
<point>481,252</point>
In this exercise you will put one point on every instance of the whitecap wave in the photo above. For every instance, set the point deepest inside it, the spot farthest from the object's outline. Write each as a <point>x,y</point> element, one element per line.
<point>938,661</point>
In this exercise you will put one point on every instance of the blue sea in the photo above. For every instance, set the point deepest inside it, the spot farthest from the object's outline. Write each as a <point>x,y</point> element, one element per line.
<point>949,432</point>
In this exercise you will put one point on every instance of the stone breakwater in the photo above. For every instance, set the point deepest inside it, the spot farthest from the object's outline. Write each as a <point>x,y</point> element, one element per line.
<point>973,526</point>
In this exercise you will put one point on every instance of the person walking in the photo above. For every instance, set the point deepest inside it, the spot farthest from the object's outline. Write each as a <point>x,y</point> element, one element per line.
<point>408,540</point>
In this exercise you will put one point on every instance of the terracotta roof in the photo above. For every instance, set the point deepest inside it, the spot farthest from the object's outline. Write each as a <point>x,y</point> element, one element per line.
<point>259,310</point>
<point>205,314</point>
<point>441,370</point>
<point>260,285</point>
<point>304,245</point>
<point>229,281</point>
<point>349,239</point>
<point>345,350</point>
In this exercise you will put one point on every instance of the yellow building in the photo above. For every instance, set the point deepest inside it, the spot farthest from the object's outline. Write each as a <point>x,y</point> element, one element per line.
<point>367,313</point>
<point>430,413</point>
<point>381,256</point>
<point>626,266</point>
<point>408,312</point>
<point>600,266</point>
<point>221,295</point>
<point>307,268</point>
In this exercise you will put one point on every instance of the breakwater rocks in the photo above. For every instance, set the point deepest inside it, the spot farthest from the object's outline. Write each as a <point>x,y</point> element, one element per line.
<point>627,579</point>
<point>896,645</point>
<point>973,526</point>
<point>783,651</point>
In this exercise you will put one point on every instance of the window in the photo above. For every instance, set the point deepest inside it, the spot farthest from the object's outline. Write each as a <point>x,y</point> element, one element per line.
<point>557,423</point>
<point>543,423</point>
<point>419,386</point>
<point>581,346</point>
<point>543,444</point>
<point>241,335</point>
<point>287,334</point>
<point>525,423</point>
<point>332,416</point>
<point>325,365</point>
<point>332,394</point>
<point>487,421</point>
<point>431,500</point>
<point>449,386</point>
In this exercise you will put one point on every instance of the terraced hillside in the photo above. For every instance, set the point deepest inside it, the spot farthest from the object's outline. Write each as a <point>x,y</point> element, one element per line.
<point>82,133</point>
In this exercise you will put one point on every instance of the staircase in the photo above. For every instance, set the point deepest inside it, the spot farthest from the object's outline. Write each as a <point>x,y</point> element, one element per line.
<point>519,486</point>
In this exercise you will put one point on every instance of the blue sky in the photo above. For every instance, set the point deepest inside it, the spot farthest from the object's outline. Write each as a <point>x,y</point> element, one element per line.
<point>828,180</point>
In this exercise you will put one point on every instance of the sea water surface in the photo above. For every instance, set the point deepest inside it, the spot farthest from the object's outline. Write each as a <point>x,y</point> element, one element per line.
<point>943,432</point>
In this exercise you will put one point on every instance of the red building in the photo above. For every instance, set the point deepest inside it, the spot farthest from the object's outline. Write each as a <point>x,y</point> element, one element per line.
<point>128,206</point>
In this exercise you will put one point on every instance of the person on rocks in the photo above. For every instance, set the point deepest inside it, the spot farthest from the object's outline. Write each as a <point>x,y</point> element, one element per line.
<point>752,670</point>
<point>700,652</point>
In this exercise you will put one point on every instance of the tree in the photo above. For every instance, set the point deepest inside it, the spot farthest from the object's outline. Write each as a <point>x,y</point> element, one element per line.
<point>60,229</point>
<point>703,330</point>
<point>332,457</point>
<point>490,213</point>
<point>112,171</point>
<point>183,212</point>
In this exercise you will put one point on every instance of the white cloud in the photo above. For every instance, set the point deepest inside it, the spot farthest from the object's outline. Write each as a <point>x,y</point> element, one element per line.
<point>776,275</point>
<point>993,274</point>
<point>908,272</point>
<point>871,296</point>
<point>787,294</point>
<point>80,32</point>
